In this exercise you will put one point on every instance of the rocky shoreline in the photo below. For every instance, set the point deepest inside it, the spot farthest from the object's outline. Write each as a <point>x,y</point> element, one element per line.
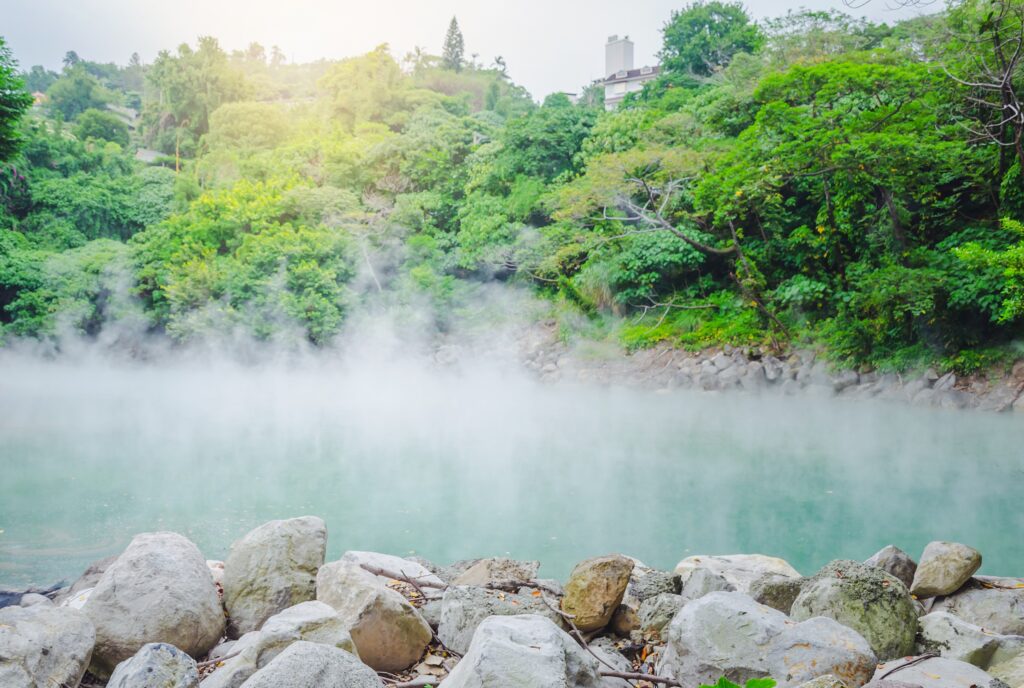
<point>274,613</point>
<point>802,372</point>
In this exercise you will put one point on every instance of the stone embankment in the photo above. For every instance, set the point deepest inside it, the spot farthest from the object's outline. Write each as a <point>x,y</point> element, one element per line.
<point>275,614</point>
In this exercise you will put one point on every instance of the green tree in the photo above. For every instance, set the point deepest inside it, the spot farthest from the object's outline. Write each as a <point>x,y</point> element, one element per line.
<point>454,48</point>
<point>39,79</point>
<point>99,124</point>
<point>703,37</point>
<point>14,101</point>
<point>75,92</point>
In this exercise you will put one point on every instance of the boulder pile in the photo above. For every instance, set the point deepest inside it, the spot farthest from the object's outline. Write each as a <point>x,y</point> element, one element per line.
<point>154,616</point>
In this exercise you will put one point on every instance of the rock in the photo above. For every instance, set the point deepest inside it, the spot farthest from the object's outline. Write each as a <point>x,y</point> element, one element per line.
<point>235,671</point>
<point>158,590</point>
<point>30,599</point>
<point>895,561</point>
<point>844,379</point>
<point>868,600</point>
<point>44,646</point>
<point>644,583</point>
<point>606,652</point>
<point>270,569</point>
<point>497,570</point>
<point>806,650</point>
<point>313,621</point>
<point>88,580</point>
<point>156,665</point>
<point>388,631</point>
<point>463,609</point>
<point>524,651</point>
<point>944,568</point>
<point>826,681</point>
<point>945,383</point>
<point>216,571</point>
<point>595,589</point>
<point>656,612</point>
<point>1010,670</point>
<point>311,665</point>
<point>222,649</point>
<point>777,592</point>
<point>995,604</point>
<point>729,634</point>
<point>399,566</point>
<point>78,600</point>
<point>703,581</point>
<point>938,672</point>
<point>740,570</point>
<point>954,638</point>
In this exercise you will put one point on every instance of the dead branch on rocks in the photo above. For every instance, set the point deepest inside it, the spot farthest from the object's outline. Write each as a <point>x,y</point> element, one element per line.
<point>511,586</point>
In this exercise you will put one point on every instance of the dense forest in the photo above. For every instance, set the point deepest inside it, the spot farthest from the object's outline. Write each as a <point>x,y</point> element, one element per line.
<point>812,180</point>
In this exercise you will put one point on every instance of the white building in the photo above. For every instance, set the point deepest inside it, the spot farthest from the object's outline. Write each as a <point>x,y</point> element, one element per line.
<point>620,76</point>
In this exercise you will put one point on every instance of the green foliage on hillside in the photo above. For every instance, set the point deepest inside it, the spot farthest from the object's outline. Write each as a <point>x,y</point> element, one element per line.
<point>812,178</point>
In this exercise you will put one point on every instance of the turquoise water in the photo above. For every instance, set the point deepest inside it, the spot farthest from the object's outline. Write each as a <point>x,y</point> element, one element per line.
<point>451,465</point>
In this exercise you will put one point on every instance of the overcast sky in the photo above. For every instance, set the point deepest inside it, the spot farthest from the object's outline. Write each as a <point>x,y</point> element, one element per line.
<point>549,45</point>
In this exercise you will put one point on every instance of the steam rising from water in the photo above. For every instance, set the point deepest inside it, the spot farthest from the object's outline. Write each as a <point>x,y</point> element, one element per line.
<point>405,455</point>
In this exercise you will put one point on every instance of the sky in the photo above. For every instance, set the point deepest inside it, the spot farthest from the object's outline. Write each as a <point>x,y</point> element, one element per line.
<point>549,45</point>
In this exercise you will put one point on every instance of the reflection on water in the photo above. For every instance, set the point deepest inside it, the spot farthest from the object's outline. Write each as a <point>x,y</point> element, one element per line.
<point>477,463</point>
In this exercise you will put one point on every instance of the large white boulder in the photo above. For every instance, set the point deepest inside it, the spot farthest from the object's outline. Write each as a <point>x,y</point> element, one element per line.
<point>729,634</point>
<point>44,646</point>
<point>524,650</point>
<point>463,609</point>
<point>158,591</point>
<point>312,665</point>
<point>387,630</point>
<point>156,665</point>
<point>936,672</point>
<point>996,604</point>
<point>272,568</point>
<point>308,621</point>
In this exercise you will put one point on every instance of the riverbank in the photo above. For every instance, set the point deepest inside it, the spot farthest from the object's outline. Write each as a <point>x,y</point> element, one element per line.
<point>274,613</point>
<point>801,372</point>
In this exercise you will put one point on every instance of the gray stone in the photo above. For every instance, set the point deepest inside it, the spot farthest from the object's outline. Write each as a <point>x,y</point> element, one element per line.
<point>944,568</point>
<point>156,665</point>
<point>30,599</point>
<point>44,646</point>
<point>387,630</point>
<point>656,612</point>
<point>996,604</point>
<point>867,599</point>
<point>702,581</point>
<point>945,383</point>
<point>644,583</point>
<point>311,665</point>
<point>236,670</point>
<point>158,590</point>
<point>844,379</point>
<point>463,609</point>
<point>729,634</point>
<point>739,570</point>
<point>952,637</point>
<point>611,657</point>
<point>895,561</point>
<point>272,568</point>
<point>938,672</point>
<point>313,621</point>
<point>524,651</point>
<point>777,592</point>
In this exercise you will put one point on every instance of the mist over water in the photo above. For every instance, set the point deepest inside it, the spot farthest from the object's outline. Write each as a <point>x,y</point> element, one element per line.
<point>400,454</point>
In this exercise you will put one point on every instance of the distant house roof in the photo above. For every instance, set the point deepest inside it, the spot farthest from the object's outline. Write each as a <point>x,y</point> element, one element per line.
<point>147,156</point>
<point>633,74</point>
